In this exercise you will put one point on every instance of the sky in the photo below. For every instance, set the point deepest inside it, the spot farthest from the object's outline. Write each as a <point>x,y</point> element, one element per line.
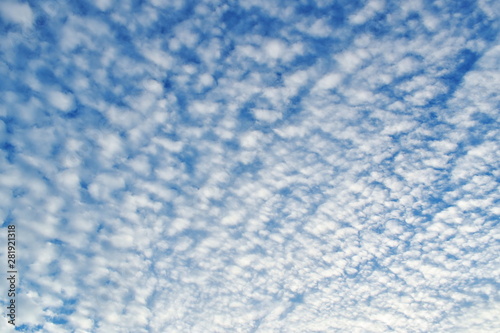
<point>251,166</point>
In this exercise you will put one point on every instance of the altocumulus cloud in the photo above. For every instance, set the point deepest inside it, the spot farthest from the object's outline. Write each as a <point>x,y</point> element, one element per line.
<point>252,166</point>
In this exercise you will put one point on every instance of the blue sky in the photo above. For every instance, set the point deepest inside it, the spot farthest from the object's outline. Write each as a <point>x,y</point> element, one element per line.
<point>252,166</point>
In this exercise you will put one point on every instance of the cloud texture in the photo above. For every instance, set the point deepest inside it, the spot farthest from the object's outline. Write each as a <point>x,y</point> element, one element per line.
<point>252,166</point>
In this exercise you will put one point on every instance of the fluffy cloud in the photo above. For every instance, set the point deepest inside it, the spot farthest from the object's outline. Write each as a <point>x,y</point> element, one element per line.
<point>251,166</point>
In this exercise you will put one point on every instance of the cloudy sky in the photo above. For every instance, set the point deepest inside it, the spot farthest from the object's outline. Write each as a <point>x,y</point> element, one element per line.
<point>251,166</point>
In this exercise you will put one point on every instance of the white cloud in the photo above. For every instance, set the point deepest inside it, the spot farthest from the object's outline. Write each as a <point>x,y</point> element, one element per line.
<point>274,48</point>
<point>103,4</point>
<point>204,108</point>
<point>269,116</point>
<point>104,185</point>
<point>329,81</point>
<point>62,101</point>
<point>17,13</point>
<point>371,8</point>
<point>269,168</point>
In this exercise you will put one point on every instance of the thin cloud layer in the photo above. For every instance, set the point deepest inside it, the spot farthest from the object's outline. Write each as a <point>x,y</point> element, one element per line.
<point>255,166</point>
